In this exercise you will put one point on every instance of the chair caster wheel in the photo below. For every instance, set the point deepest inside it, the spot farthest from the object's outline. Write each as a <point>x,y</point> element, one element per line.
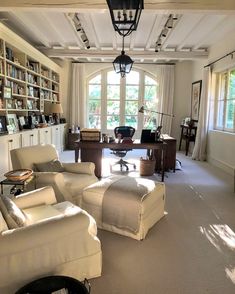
<point>134,166</point>
<point>127,168</point>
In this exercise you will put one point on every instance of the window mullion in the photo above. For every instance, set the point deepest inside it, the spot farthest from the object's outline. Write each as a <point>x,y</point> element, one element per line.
<point>122,100</point>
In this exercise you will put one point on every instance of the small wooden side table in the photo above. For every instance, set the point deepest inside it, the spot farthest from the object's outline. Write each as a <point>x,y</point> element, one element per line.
<point>21,184</point>
<point>72,137</point>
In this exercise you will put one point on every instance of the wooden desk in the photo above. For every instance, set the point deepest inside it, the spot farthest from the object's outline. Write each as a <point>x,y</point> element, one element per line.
<point>170,153</point>
<point>188,133</point>
<point>92,151</point>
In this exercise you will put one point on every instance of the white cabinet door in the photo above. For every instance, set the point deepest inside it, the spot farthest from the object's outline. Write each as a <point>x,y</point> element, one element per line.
<point>7,143</point>
<point>45,136</point>
<point>63,132</point>
<point>29,138</point>
<point>56,137</point>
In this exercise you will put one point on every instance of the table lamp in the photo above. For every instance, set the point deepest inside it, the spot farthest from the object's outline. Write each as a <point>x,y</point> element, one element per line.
<point>56,109</point>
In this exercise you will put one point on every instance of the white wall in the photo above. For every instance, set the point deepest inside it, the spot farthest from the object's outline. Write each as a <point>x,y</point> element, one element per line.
<point>182,96</point>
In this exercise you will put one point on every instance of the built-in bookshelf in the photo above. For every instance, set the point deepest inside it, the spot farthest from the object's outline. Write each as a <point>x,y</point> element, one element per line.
<point>32,83</point>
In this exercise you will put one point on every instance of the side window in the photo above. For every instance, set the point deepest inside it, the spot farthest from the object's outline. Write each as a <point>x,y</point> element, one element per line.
<point>225,102</point>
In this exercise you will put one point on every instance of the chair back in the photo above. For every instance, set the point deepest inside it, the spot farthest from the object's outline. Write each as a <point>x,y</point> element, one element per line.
<point>26,157</point>
<point>124,131</point>
<point>50,284</point>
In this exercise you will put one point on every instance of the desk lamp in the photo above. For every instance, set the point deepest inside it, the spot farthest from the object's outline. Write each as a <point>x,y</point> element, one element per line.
<point>158,129</point>
<point>56,109</point>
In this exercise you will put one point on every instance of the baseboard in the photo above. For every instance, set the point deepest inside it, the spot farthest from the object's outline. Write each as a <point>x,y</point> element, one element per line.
<point>222,165</point>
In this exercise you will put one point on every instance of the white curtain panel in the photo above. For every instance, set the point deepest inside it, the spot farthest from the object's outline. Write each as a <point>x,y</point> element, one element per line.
<point>78,103</point>
<point>199,151</point>
<point>166,93</point>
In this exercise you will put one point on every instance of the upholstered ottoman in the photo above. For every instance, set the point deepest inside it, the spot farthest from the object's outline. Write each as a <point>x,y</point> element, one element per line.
<point>125,205</point>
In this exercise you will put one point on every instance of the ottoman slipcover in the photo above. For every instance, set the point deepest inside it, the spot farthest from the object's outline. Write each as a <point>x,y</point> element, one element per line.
<point>151,208</point>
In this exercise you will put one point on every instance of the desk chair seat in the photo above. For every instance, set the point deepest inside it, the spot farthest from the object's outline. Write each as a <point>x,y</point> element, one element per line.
<point>124,134</point>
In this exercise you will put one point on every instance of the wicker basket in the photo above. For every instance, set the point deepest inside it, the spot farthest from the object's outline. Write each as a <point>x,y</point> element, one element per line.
<point>18,174</point>
<point>147,167</point>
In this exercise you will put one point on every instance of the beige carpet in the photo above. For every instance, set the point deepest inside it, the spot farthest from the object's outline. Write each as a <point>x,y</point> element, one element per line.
<point>190,251</point>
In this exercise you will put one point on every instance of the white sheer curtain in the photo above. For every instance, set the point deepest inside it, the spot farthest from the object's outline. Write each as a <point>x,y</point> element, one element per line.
<point>199,151</point>
<point>78,103</point>
<point>166,93</point>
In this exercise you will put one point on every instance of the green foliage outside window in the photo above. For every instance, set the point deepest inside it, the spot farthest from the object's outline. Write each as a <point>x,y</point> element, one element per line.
<point>126,99</point>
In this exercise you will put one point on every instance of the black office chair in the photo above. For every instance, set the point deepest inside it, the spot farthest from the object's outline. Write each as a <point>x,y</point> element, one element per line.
<point>50,284</point>
<point>124,133</point>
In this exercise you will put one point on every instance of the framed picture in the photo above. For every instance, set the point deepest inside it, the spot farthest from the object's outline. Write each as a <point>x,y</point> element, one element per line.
<point>3,125</point>
<point>7,92</point>
<point>195,99</point>
<point>12,123</point>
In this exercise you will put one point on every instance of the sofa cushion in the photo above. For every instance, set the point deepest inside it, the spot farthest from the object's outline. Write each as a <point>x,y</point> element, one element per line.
<point>3,224</point>
<point>77,182</point>
<point>51,166</point>
<point>40,213</point>
<point>13,216</point>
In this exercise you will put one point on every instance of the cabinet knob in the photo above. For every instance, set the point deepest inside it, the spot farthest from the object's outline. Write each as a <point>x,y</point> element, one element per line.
<point>10,141</point>
<point>31,135</point>
<point>46,131</point>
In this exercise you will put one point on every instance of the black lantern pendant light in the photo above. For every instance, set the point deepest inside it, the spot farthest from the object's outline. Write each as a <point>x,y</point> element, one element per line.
<point>123,63</point>
<point>125,15</point>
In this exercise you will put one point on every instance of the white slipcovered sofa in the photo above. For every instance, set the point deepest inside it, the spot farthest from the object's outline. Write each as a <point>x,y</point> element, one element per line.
<point>57,239</point>
<point>68,184</point>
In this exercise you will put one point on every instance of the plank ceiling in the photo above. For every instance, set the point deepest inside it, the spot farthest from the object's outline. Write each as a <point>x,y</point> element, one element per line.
<point>50,28</point>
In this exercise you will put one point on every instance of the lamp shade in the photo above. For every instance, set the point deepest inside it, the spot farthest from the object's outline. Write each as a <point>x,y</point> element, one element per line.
<point>56,108</point>
<point>123,64</point>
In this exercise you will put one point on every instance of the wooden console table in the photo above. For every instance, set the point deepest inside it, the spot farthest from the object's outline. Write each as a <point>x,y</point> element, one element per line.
<point>188,133</point>
<point>92,151</point>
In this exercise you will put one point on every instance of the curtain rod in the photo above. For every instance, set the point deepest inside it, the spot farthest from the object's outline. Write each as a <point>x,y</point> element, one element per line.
<point>134,63</point>
<point>230,53</point>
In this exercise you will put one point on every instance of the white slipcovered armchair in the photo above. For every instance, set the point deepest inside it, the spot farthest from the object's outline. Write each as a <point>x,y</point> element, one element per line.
<point>68,184</point>
<point>56,239</point>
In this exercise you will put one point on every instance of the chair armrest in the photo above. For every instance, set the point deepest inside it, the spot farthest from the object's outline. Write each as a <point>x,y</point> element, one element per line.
<point>56,180</point>
<point>46,244</point>
<point>41,196</point>
<point>80,167</point>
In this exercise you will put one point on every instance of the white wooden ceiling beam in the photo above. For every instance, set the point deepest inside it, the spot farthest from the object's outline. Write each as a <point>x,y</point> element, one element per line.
<point>184,42</point>
<point>19,16</point>
<point>56,32</point>
<point>156,29</point>
<point>78,40</point>
<point>101,4</point>
<point>206,34</point>
<point>94,54</point>
<point>90,19</point>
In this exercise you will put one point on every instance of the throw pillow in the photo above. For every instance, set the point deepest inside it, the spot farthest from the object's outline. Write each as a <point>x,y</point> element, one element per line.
<point>13,216</point>
<point>51,166</point>
<point>3,224</point>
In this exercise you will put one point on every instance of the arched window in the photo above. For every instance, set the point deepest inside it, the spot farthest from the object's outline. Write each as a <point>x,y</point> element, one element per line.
<point>114,101</point>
